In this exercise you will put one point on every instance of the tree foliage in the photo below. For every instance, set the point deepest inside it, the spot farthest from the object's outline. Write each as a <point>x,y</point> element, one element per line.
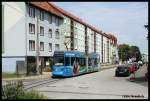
<point>126,52</point>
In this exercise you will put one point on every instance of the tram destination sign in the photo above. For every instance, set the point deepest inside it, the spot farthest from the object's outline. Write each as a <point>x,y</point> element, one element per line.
<point>69,54</point>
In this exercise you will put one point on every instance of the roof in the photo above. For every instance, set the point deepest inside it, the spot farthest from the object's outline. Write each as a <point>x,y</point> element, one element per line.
<point>45,6</point>
<point>77,19</point>
<point>113,38</point>
<point>52,8</point>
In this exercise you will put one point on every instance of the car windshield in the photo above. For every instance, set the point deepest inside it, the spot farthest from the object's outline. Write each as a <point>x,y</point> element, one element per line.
<point>122,67</point>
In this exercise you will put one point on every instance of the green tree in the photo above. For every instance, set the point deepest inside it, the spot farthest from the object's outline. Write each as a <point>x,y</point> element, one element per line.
<point>135,52</point>
<point>125,52</point>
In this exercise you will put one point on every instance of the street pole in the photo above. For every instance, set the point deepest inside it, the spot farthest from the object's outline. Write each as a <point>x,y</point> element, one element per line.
<point>37,47</point>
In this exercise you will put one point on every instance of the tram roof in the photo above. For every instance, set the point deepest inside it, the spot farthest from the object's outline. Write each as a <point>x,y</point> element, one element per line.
<point>75,54</point>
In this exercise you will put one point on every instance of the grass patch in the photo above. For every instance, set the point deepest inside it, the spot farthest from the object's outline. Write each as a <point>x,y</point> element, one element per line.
<point>9,75</point>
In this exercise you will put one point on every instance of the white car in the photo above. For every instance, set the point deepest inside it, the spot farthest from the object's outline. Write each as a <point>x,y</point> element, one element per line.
<point>140,62</point>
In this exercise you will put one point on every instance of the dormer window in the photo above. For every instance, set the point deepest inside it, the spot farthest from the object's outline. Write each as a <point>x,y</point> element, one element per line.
<point>42,15</point>
<point>31,12</point>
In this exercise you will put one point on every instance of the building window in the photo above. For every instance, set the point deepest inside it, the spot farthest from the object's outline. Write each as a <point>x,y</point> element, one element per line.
<point>31,28</point>
<point>56,21</point>
<point>50,33</point>
<point>41,46</point>
<point>41,15</point>
<point>57,34</point>
<point>41,31</point>
<point>56,47</point>
<point>50,47</point>
<point>31,12</point>
<point>31,45</point>
<point>50,18</point>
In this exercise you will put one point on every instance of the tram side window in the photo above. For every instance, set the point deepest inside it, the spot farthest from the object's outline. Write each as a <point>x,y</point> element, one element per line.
<point>98,60</point>
<point>82,61</point>
<point>72,61</point>
<point>67,61</point>
<point>95,61</point>
<point>89,62</point>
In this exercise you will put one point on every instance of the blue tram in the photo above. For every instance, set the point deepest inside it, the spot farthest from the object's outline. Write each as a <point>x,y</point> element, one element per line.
<point>71,63</point>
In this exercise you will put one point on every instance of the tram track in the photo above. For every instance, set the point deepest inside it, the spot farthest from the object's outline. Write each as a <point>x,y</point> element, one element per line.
<point>33,84</point>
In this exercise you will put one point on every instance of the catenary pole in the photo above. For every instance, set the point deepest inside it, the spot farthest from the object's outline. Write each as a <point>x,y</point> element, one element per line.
<point>37,47</point>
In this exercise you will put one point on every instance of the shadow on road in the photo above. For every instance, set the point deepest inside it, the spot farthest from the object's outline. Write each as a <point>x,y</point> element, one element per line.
<point>140,80</point>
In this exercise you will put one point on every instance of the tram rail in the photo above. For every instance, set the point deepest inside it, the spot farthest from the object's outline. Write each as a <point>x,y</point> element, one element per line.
<point>33,84</point>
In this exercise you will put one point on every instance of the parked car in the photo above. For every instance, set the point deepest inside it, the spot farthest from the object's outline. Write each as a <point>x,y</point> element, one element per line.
<point>122,70</point>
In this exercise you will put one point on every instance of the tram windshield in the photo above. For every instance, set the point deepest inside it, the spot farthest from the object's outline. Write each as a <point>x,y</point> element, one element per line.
<point>59,61</point>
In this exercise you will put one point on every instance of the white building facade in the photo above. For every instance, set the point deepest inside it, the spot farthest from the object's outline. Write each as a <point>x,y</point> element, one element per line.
<point>20,35</point>
<point>53,28</point>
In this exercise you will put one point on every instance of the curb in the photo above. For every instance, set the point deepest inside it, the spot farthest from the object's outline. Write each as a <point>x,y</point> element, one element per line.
<point>49,76</point>
<point>26,78</point>
<point>113,66</point>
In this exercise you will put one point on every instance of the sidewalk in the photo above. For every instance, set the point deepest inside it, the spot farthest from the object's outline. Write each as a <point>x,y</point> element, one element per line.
<point>48,74</point>
<point>140,74</point>
<point>140,77</point>
<point>44,75</point>
<point>108,66</point>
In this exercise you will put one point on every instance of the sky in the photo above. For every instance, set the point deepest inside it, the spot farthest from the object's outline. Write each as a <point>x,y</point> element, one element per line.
<point>125,20</point>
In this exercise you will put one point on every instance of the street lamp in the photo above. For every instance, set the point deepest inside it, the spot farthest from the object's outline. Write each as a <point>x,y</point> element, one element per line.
<point>146,26</point>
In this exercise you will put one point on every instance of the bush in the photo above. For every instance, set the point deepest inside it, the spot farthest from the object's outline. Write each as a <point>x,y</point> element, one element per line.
<point>32,95</point>
<point>14,90</point>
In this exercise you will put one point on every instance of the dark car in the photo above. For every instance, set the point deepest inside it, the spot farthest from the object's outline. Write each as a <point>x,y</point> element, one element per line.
<point>122,70</point>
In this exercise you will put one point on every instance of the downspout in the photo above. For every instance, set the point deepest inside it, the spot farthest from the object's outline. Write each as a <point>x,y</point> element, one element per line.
<point>102,48</point>
<point>26,39</point>
<point>94,42</point>
<point>86,47</point>
<point>72,35</point>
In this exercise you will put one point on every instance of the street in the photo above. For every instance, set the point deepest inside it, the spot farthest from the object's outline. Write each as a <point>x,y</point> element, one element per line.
<point>97,85</point>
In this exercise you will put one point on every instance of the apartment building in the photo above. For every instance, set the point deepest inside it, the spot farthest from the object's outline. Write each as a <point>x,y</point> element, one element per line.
<point>96,41</point>
<point>113,49</point>
<point>29,27</point>
<point>53,29</point>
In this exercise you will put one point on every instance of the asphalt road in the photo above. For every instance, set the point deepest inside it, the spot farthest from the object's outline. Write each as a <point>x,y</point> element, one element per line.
<point>97,85</point>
